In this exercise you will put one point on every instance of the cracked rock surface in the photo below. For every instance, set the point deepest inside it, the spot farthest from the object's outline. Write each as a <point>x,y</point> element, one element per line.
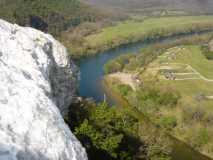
<point>37,84</point>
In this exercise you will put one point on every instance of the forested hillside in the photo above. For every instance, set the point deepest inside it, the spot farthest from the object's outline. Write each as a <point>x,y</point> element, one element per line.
<point>194,6</point>
<point>53,16</point>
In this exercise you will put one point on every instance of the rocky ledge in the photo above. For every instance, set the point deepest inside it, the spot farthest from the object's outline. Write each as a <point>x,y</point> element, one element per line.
<point>37,84</point>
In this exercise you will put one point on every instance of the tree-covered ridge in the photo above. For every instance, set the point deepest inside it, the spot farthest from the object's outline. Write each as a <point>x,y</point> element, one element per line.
<point>137,6</point>
<point>52,15</point>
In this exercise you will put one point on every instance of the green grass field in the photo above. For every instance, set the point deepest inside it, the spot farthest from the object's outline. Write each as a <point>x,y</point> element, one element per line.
<point>194,57</point>
<point>191,71</point>
<point>131,31</point>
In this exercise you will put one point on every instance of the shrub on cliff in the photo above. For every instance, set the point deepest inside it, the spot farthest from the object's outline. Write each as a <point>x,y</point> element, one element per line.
<point>112,133</point>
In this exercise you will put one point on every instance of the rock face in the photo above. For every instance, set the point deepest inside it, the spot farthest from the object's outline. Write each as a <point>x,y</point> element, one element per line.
<point>37,84</point>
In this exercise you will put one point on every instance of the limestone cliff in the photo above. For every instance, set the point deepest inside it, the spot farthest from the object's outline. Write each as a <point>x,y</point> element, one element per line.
<point>37,84</point>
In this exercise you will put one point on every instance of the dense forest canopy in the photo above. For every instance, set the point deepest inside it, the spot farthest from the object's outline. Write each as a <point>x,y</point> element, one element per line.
<point>52,15</point>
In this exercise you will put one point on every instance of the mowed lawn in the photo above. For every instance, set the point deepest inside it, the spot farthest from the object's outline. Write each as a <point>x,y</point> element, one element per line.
<point>130,29</point>
<point>189,89</point>
<point>194,57</point>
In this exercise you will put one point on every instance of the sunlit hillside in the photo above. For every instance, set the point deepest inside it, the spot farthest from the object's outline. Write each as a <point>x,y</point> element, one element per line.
<point>197,6</point>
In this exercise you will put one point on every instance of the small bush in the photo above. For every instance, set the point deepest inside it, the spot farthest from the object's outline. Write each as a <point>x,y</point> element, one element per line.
<point>124,89</point>
<point>111,67</point>
<point>168,98</point>
<point>168,122</point>
<point>117,64</point>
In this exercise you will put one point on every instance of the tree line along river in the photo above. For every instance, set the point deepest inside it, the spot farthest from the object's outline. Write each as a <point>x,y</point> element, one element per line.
<point>92,73</point>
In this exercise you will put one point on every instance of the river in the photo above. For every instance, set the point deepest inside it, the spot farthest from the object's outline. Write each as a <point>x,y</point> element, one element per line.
<point>92,72</point>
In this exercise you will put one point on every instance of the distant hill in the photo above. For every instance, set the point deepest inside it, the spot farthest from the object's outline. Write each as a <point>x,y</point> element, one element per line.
<point>192,6</point>
<point>53,16</point>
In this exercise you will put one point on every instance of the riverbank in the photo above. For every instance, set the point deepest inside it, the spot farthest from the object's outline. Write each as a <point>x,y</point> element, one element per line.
<point>180,150</point>
<point>134,31</point>
<point>92,72</point>
<point>92,67</point>
<point>136,63</point>
<point>176,82</point>
<point>175,92</point>
<point>186,71</point>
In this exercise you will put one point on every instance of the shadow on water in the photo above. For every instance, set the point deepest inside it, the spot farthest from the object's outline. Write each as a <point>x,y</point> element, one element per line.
<point>92,72</point>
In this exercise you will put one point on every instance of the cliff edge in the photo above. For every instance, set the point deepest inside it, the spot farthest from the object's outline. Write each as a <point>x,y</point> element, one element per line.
<point>37,84</point>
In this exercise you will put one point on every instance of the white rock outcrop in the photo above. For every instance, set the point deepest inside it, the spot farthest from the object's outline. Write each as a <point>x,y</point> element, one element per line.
<point>37,84</point>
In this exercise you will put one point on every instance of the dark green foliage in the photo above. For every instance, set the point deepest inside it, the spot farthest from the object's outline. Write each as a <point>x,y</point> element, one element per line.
<point>167,122</point>
<point>118,64</point>
<point>124,89</point>
<point>109,133</point>
<point>150,99</point>
<point>112,66</point>
<point>57,14</point>
<point>168,98</point>
<point>107,142</point>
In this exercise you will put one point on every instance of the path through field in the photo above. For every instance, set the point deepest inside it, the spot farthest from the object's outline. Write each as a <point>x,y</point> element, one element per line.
<point>194,72</point>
